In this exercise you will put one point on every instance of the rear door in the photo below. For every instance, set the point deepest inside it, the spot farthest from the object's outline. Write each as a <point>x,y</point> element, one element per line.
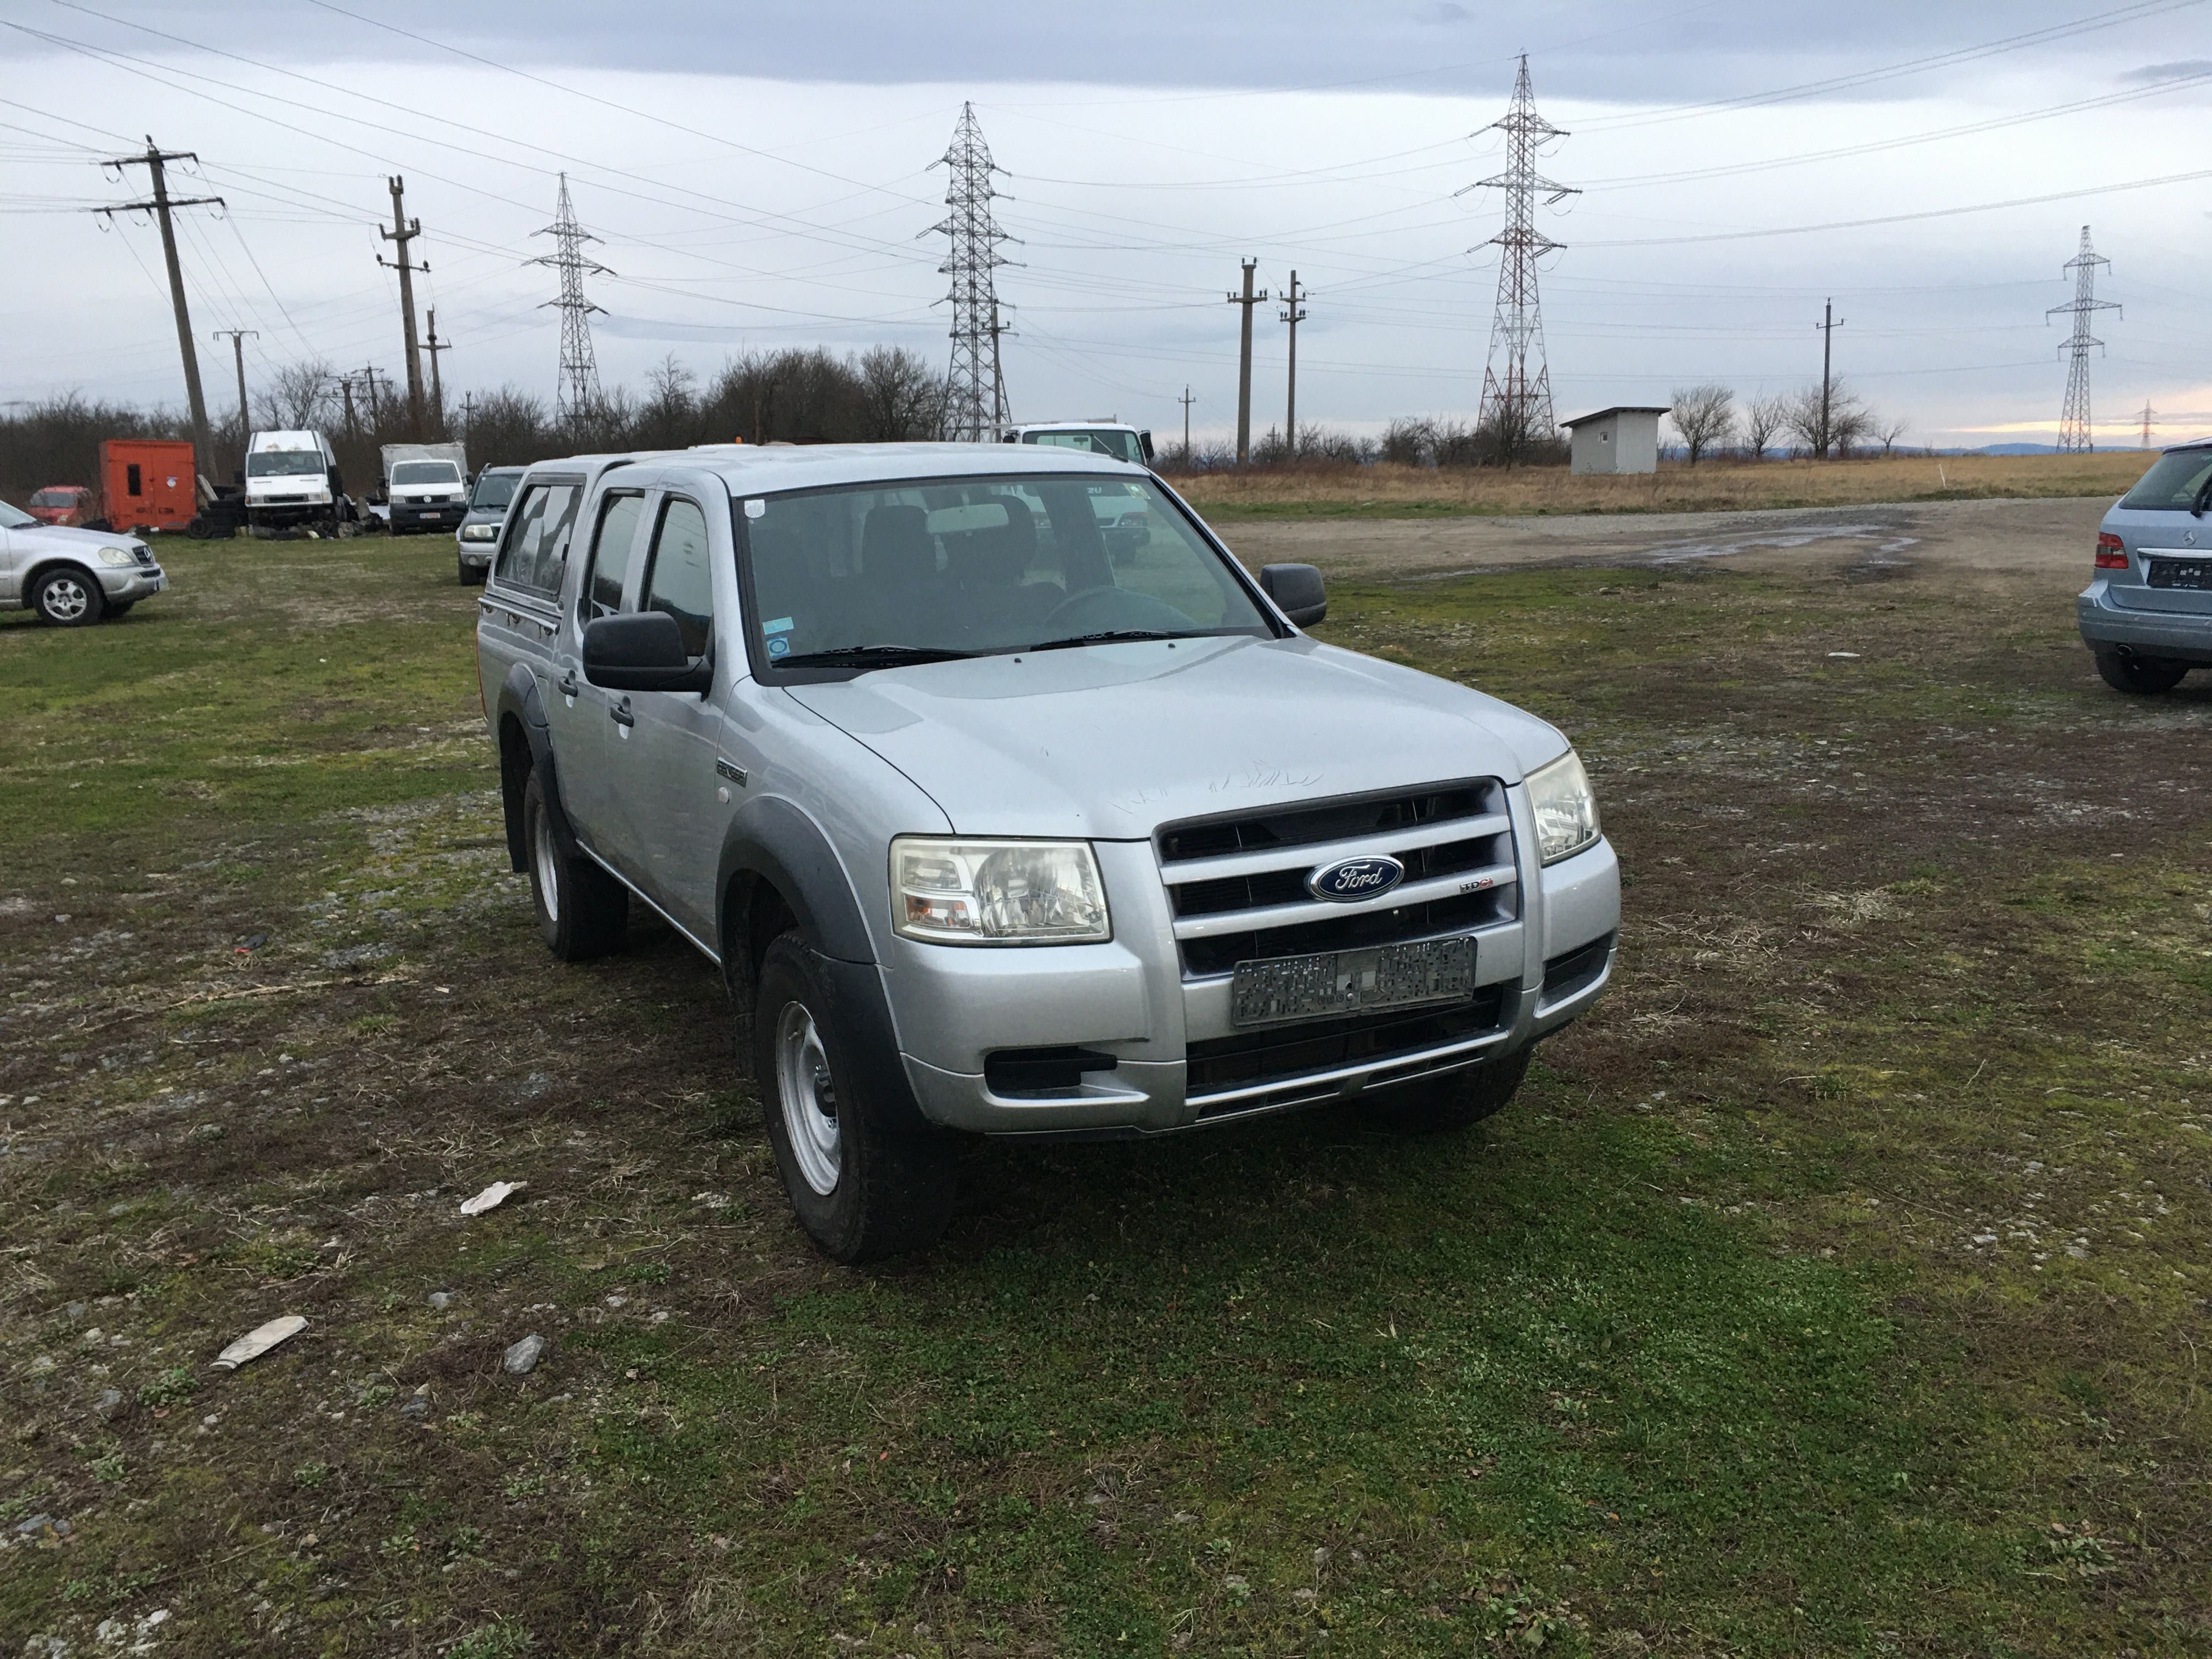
<point>591,724</point>
<point>676,805</point>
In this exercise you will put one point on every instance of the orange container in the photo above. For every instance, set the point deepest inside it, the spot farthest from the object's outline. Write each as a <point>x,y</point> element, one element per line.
<point>147,483</point>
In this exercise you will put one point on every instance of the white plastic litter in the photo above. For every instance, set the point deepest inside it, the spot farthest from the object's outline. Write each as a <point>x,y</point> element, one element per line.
<point>1848,656</point>
<point>258,1341</point>
<point>492,1197</point>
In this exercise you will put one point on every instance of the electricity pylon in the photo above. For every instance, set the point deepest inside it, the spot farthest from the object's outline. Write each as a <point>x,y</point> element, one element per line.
<point>2075,432</point>
<point>976,385</point>
<point>578,396</point>
<point>1516,382</point>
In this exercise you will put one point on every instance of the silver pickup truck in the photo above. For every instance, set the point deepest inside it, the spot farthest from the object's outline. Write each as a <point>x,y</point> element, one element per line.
<point>995,826</point>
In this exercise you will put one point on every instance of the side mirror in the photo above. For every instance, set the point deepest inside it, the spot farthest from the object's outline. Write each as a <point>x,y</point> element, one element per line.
<point>1144,443</point>
<point>1296,591</point>
<point>642,650</point>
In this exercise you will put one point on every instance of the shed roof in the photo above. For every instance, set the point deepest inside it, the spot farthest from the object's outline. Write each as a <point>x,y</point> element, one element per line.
<point>1622,409</point>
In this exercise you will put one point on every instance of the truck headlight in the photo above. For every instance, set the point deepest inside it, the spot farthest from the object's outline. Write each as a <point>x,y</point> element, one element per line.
<point>116,555</point>
<point>1566,809</point>
<point>949,891</point>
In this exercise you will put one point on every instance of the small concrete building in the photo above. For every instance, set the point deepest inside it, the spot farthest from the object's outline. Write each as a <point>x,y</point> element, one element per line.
<point>1622,439</point>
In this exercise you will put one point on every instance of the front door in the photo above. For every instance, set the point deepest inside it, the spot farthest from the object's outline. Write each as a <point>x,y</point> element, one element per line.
<point>676,805</point>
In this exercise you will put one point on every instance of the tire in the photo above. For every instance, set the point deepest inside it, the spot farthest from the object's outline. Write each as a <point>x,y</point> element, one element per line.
<point>67,598</point>
<point>582,911</point>
<point>116,611</point>
<point>470,578</point>
<point>868,1174</point>
<point>2141,677</point>
<point>1457,1101</point>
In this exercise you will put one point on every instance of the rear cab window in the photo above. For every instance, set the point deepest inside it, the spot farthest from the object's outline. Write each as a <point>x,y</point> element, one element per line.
<point>534,556</point>
<point>612,540</point>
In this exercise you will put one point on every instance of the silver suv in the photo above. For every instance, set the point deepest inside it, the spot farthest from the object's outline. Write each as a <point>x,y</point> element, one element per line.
<point>70,577</point>
<point>2147,615</point>
<point>990,832</point>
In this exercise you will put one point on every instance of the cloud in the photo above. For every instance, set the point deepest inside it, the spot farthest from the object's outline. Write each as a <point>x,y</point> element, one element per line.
<point>2151,74</point>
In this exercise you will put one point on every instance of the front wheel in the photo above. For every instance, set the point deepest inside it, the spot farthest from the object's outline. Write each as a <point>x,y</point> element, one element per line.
<point>582,911</point>
<point>67,598</point>
<point>2143,676</point>
<point>1456,1101</point>
<point>868,1174</point>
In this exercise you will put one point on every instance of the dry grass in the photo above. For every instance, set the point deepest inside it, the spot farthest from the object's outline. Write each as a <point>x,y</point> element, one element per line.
<point>1388,491</point>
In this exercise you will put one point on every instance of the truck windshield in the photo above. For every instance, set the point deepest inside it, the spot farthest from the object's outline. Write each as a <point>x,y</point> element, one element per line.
<point>495,491</point>
<point>862,577</point>
<point>1102,441</point>
<point>426,473</point>
<point>2175,481</point>
<point>283,463</point>
<point>54,498</point>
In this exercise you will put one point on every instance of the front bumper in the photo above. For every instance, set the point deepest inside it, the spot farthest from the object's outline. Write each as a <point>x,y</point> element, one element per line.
<point>953,1007</point>
<point>427,518</point>
<point>2151,632</point>
<point>129,586</point>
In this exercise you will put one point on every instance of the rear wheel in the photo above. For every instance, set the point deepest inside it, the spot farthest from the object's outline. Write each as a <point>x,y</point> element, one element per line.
<point>1455,1101</point>
<point>2142,676</point>
<point>582,911</point>
<point>67,598</point>
<point>868,1174</point>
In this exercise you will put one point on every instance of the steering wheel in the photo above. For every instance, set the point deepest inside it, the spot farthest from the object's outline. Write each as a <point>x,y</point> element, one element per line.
<point>1105,606</point>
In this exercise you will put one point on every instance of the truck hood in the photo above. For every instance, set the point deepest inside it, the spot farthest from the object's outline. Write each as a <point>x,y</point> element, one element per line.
<point>1109,742</point>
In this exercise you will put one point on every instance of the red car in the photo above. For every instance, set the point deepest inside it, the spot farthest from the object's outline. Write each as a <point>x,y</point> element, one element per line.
<point>67,504</point>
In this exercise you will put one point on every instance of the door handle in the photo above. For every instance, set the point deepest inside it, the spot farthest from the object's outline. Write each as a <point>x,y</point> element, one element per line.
<point>568,687</point>
<point>619,713</point>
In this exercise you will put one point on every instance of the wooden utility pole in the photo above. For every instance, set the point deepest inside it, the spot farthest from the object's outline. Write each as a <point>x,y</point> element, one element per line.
<point>1293,314</point>
<point>1185,400</point>
<point>405,230</point>
<point>468,411</point>
<point>160,204</point>
<point>345,390</point>
<point>1248,300</point>
<point>433,345</point>
<point>238,337</point>
<point>1828,325</point>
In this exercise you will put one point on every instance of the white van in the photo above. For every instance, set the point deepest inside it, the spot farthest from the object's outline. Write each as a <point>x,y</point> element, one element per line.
<point>292,482</point>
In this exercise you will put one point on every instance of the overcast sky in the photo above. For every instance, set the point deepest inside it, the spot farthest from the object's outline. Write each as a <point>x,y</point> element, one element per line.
<point>759,177</point>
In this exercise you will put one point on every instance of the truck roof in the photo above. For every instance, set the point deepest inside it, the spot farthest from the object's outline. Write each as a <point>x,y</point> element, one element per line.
<point>761,469</point>
<point>286,440</point>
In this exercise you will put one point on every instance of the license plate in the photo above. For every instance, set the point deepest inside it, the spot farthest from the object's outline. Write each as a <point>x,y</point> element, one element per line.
<point>2179,573</point>
<point>1338,982</point>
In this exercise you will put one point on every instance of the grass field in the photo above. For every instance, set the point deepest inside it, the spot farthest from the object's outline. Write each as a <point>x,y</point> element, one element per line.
<point>1837,1288</point>
<point>1406,492</point>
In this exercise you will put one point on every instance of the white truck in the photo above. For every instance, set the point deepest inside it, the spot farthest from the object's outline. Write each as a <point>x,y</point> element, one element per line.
<point>426,486</point>
<point>292,482</point>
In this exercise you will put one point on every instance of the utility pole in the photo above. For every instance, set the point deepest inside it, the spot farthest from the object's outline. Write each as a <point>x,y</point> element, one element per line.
<point>1248,300</point>
<point>160,204</point>
<point>468,411</point>
<point>369,377</point>
<point>405,230</point>
<point>434,346</point>
<point>1516,399</point>
<point>1294,313</point>
<point>1828,325</point>
<point>238,337</point>
<point>1185,400</point>
<point>345,390</point>
<point>2074,431</point>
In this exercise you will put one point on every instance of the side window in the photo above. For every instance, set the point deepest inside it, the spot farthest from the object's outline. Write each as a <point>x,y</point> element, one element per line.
<point>682,580</point>
<point>536,550</point>
<point>611,556</point>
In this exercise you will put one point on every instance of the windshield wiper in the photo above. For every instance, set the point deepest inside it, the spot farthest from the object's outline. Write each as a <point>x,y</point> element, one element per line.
<point>873,656</point>
<point>1107,636</point>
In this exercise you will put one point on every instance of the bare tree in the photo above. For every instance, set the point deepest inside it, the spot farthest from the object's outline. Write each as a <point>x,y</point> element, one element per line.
<point>1764,419</point>
<point>1889,432</point>
<point>1819,425</point>
<point>902,396</point>
<point>300,396</point>
<point>1705,416</point>
<point>1850,423</point>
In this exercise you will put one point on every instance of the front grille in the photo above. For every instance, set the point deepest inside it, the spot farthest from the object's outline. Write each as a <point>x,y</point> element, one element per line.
<point>1286,1052</point>
<point>1218,870</point>
<point>144,555</point>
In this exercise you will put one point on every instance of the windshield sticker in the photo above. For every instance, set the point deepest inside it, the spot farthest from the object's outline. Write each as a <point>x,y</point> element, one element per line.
<point>780,625</point>
<point>755,509</point>
<point>778,647</point>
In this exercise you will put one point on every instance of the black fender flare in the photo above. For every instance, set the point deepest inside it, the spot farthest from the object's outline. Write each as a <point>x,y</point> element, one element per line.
<point>518,697</point>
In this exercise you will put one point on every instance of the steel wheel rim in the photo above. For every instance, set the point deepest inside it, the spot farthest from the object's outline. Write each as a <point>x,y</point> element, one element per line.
<point>808,1098</point>
<point>65,599</point>
<point>549,868</point>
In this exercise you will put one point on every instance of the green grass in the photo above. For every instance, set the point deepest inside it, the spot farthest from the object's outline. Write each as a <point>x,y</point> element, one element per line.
<point>1757,1325</point>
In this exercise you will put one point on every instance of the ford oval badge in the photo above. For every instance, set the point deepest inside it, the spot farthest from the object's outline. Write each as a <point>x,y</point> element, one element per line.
<point>1349,880</point>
